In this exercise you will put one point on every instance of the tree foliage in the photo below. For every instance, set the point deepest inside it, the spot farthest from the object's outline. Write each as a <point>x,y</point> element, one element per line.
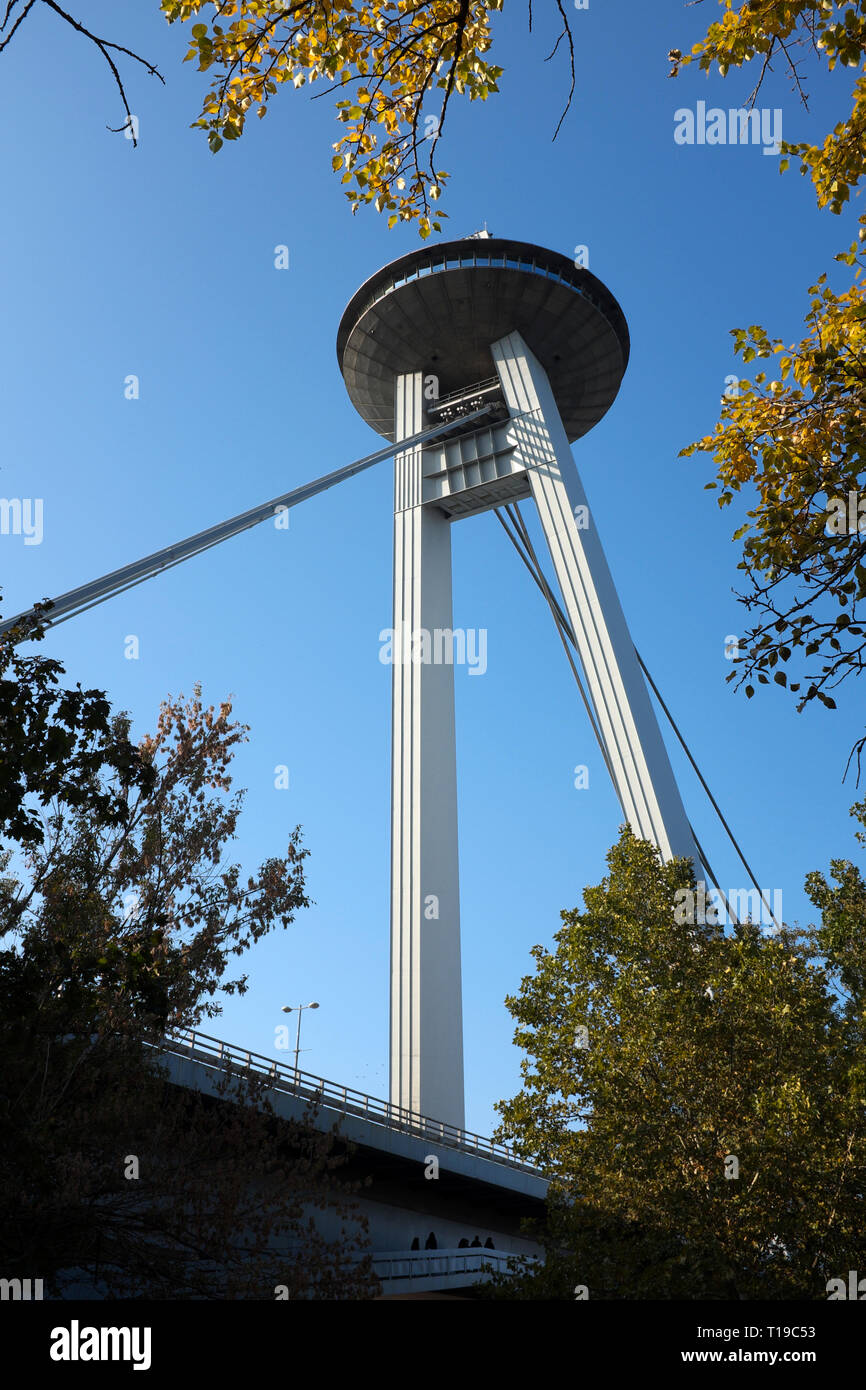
<point>657,1054</point>
<point>118,929</point>
<point>381,59</point>
<point>394,66</point>
<point>152,911</point>
<point>780,30</point>
<point>798,439</point>
<point>55,742</point>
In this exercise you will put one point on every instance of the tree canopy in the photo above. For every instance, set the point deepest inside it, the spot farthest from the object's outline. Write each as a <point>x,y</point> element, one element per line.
<point>383,61</point>
<point>695,1092</point>
<point>55,743</point>
<point>380,59</point>
<point>119,915</point>
<point>796,435</point>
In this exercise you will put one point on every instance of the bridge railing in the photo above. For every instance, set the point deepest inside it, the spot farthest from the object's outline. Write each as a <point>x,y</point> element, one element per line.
<point>214,1052</point>
<point>437,1264</point>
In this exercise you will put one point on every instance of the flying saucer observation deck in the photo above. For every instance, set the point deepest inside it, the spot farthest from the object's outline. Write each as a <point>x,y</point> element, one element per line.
<point>437,311</point>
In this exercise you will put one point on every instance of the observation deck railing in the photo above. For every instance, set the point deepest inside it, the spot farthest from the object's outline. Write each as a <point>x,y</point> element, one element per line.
<point>510,256</point>
<point>467,399</point>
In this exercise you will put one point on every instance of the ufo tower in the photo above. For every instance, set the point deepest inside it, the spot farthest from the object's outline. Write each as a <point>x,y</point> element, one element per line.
<point>439,333</point>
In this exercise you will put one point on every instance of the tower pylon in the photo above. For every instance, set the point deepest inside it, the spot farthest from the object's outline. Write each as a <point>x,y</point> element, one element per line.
<point>543,345</point>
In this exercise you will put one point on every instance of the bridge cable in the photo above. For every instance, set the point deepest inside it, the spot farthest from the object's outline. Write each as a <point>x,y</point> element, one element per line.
<point>87,596</point>
<point>563,630</point>
<point>712,799</point>
<point>527,553</point>
<point>526,550</point>
<point>713,802</point>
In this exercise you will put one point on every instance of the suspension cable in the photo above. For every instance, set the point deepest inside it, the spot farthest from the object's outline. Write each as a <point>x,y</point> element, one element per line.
<point>87,596</point>
<point>564,634</point>
<point>712,799</point>
<point>523,544</point>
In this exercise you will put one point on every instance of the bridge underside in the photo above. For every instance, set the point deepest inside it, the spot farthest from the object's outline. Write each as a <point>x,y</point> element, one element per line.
<point>416,1222</point>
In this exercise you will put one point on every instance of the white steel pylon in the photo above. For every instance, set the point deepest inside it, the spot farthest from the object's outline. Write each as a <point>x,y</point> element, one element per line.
<point>426,991</point>
<point>463,309</point>
<point>636,754</point>
<point>539,340</point>
<point>528,454</point>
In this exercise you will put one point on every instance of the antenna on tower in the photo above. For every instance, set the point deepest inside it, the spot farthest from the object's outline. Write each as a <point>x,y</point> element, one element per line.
<point>483,235</point>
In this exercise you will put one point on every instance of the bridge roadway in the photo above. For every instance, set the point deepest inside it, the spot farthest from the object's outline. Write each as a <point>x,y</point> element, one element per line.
<point>481,1193</point>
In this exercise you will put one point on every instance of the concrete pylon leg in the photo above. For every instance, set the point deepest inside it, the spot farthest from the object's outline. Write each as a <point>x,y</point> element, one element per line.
<point>426,994</point>
<point>642,774</point>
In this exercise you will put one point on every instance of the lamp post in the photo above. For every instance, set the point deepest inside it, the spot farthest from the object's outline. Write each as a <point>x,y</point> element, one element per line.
<point>299,1009</point>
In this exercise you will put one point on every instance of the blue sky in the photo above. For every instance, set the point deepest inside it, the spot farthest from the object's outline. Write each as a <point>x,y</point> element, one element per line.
<point>159,262</point>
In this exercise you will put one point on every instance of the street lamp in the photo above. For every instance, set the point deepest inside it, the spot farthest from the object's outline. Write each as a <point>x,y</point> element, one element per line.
<point>299,1009</point>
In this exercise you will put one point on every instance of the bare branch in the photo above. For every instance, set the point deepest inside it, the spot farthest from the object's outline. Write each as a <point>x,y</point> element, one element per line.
<point>104,45</point>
